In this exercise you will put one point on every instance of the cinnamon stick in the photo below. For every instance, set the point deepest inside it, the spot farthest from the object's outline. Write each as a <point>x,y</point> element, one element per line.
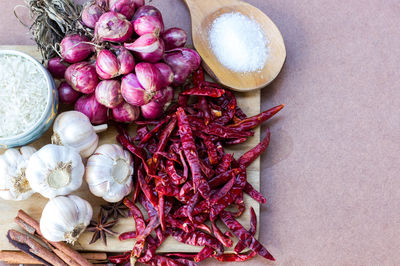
<point>33,247</point>
<point>19,257</point>
<point>61,246</point>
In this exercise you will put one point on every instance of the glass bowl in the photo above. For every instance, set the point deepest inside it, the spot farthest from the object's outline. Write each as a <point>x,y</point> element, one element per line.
<point>47,117</point>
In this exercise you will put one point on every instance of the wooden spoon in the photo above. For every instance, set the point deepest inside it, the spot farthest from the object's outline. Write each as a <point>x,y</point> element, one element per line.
<point>204,12</point>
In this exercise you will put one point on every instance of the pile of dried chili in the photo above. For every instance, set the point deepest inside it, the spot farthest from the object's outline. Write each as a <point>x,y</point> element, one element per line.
<point>185,180</point>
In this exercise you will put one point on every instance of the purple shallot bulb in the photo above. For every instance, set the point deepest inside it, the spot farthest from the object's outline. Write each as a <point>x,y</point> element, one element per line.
<point>125,113</point>
<point>82,77</point>
<point>91,14</point>
<point>147,47</point>
<point>75,48</point>
<point>174,38</point>
<point>113,27</point>
<point>89,106</point>
<point>108,93</point>
<point>56,67</point>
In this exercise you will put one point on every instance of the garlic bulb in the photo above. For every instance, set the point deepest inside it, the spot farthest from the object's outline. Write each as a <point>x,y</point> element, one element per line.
<point>13,183</point>
<point>109,171</point>
<point>73,129</point>
<point>64,218</point>
<point>55,170</point>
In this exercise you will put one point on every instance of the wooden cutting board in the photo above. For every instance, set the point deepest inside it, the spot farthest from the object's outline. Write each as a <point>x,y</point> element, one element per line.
<point>249,102</point>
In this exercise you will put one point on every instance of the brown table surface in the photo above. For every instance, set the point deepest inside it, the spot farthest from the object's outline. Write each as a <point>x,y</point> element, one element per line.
<point>332,172</point>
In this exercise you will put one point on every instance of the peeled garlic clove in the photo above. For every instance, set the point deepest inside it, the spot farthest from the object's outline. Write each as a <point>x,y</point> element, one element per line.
<point>55,170</point>
<point>109,172</point>
<point>13,182</point>
<point>65,218</point>
<point>73,129</point>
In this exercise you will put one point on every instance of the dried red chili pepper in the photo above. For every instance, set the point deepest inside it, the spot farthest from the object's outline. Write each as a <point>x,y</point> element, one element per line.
<point>185,226</point>
<point>198,76</point>
<point>127,235</point>
<point>189,148</point>
<point>249,240</point>
<point>211,149</point>
<point>123,258</point>
<point>226,132</point>
<point>240,114</point>
<point>224,177</point>
<point>205,253</point>
<point>222,192</point>
<point>155,130</point>
<point>171,171</point>
<point>236,257</point>
<point>254,193</point>
<point>137,216</point>
<point>205,109</point>
<point>225,240</point>
<point>253,228</point>
<point>224,164</point>
<point>147,189</point>
<point>196,238</point>
<point>204,90</point>
<point>254,121</point>
<point>247,158</point>
<point>230,197</point>
<point>165,134</point>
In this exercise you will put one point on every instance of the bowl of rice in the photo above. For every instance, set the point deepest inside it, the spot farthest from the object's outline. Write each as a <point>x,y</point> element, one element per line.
<point>28,99</point>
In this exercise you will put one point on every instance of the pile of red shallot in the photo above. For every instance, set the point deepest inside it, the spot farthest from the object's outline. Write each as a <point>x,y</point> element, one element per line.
<point>128,68</point>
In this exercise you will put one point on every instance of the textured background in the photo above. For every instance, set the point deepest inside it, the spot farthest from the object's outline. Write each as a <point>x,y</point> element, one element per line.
<point>331,174</point>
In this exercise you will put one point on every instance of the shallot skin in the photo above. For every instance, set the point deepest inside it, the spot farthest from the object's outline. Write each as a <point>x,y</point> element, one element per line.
<point>67,94</point>
<point>125,113</point>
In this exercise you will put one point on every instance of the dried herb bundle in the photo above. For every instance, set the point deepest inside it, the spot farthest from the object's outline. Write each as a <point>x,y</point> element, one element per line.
<point>52,20</point>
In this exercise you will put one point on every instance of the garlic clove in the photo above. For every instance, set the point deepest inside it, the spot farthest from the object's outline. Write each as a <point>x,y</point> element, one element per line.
<point>73,129</point>
<point>13,182</point>
<point>64,218</point>
<point>109,172</point>
<point>55,170</point>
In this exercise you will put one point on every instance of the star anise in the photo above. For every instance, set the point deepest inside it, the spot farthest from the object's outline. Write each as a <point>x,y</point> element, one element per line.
<point>116,210</point>
<point>101,227</point>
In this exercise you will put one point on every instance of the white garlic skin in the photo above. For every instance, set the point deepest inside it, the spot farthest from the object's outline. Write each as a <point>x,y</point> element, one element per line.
<point>73,129</point>
<point>13,183</point>
<point>109,172</point>
<point>64,218</point>
<point>55,170</point>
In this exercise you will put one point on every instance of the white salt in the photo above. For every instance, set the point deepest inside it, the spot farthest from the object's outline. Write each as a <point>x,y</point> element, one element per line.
<point>238,42</point>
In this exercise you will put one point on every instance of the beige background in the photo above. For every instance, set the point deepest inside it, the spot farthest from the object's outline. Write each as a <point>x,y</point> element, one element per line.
<point>332,172</point>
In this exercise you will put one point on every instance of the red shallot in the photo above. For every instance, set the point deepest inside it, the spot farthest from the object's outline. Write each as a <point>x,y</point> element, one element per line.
<point>125,113</point>
<point>56,67</point>
<point>108,93</point>
<point>133,92</point>
<point>166,74</point>
<point>67,94</point>
<point>147,47</point>
<point>96,112</point>
<point>82,77</point>
<point>91,14</point>
<point>125,59</point>
<point>148,24</point>
<point>75,48</point>
<point>152,110</point>
<point>124,7</point>
<point>183,62</point>
<point>174,38</point>
<point>113,27</point>
<point>147,10</point>
<point>107,64</point>
<point>149,76</point>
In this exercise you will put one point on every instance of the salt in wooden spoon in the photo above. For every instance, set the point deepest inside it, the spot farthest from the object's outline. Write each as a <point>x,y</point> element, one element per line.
<point>204,12</point>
